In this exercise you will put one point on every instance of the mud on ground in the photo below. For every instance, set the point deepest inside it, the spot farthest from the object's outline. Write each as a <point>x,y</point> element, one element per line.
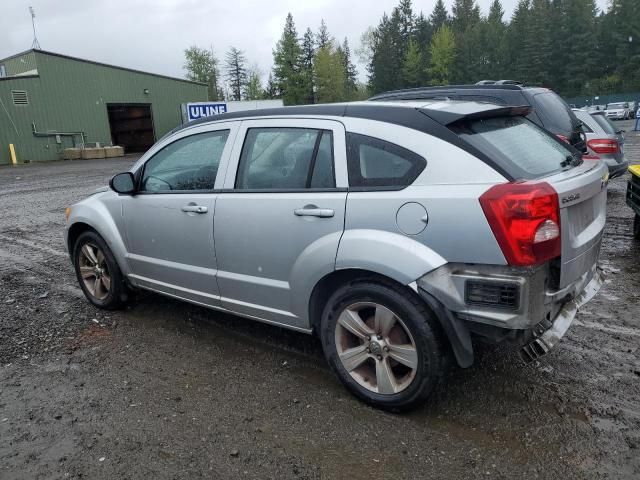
<point>169,390</point>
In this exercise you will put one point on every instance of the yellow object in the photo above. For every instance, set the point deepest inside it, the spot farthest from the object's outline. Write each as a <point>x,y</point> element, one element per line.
<point>635,170</point>
<point>12,153</point>
<point>67,212</point>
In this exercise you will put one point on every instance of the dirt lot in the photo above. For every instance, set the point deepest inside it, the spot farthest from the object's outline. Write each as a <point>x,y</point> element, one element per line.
<point>169,390</point>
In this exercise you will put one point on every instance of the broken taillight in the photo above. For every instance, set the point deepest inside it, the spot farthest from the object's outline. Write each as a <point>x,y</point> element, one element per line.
<point>525,219</point>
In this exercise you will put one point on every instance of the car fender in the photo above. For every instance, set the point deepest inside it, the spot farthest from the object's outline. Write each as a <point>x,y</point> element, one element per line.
<point>315,262</point>
<point>393,255</point>
<point>98,216</point>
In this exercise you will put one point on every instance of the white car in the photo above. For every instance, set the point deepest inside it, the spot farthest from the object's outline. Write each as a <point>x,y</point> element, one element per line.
<point>618,111</point>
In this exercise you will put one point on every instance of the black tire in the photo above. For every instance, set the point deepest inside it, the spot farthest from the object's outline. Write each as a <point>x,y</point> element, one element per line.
<point>636,227</point>
<point>416,318</point>
<point>117,293</point>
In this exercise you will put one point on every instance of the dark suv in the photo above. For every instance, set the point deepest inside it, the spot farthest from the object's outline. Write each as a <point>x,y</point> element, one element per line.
<point>549,110</point>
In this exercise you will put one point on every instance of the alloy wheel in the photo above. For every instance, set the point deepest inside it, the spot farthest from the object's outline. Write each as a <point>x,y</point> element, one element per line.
<point>376,348</point>
<point>94,271</point>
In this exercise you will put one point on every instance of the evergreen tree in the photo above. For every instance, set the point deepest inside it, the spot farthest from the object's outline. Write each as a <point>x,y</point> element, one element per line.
<point>271,90</point>
<point>308,54</point>
<point>442,49</point>
<point>384,65</point>
<point>412,68</point>
<point>495,45</point>
<point>468,39</point>
<point>323,39</point>
<point>236,72</point>
<point>350,72</point>
<point>329,74</point>
<point>287,66</point>
<point>253,89</point>
<point>422,34</point>
<point>439,16</point>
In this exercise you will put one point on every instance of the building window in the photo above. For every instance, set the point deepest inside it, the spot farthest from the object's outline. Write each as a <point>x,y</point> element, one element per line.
<point>3,71</point>
<point>20,97</point>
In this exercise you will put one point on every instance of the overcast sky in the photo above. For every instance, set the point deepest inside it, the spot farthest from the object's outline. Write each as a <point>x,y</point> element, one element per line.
<point>152,35</point>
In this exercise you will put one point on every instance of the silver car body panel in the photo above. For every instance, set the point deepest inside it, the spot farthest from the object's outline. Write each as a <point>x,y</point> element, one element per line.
<point>251,255</point>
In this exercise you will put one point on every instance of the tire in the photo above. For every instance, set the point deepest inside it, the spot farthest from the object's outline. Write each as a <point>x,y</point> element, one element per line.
<point>98,273</point>
<point>636,227</point>
<point>414,324</point>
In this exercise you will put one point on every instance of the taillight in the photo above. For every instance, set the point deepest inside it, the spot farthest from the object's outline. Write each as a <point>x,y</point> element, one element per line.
<point>588,156</point>
<point>525,219</point>
<point>604,145</point>
<point>563,138</point>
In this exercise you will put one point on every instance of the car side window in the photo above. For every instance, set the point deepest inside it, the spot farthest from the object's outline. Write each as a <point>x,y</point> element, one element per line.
<point>286,158</point>
<point>373,162</point>
<point>190,163</point>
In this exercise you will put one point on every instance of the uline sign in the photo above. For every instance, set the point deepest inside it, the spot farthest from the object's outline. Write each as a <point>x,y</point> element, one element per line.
<point>204,109</point>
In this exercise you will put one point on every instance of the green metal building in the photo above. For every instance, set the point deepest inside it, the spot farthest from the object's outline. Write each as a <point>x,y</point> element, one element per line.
<point>49,102</point>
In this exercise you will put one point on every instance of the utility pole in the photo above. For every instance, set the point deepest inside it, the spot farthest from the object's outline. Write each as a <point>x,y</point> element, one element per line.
<point>35,44</point>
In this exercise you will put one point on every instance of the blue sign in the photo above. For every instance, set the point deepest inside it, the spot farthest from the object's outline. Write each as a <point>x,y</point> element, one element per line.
<point>200,110</point>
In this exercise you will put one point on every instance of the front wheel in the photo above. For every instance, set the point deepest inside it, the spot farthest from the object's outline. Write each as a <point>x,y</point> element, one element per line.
<point>98,273</point>
<point>383,344</point>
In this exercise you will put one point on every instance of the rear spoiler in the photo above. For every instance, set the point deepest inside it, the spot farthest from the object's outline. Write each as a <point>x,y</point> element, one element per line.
<point>457,112</point>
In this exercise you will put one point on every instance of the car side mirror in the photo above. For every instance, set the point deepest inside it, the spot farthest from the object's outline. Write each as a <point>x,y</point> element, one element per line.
<point>123,183</point>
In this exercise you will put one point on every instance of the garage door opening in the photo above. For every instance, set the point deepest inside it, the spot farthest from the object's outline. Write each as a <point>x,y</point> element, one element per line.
<point>131,126</point>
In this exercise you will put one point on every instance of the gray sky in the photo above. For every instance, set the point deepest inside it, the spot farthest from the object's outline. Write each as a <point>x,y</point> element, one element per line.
<point>152,35</point>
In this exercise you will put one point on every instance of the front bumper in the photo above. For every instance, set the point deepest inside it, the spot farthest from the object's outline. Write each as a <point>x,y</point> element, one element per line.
<point>547,339</point>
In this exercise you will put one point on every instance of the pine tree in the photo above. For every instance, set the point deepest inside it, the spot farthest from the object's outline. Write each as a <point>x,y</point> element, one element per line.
<point>271,90</point>
<point>495,46</point>
<point>384,66</point>
<point>350,72</point>
<point>287,66</point>
<point>329,74</point>
<point>236,72</point>
<point>439,16</point>
<point>468,37</point>
<point>308,54</point>
<point>442,56</point>
<point>253,89</point>
<point>412,68</point>
<point>323,38</point>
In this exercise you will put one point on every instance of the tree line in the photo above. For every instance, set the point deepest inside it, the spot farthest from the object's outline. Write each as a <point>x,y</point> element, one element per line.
<point>567,45</point>
<point>312,69</point>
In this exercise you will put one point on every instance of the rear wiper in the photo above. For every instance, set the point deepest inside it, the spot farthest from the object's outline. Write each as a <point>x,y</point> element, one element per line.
<point>571,161</point>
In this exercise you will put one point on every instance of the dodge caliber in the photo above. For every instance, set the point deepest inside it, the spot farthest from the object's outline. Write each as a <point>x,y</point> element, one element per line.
<point>398,232</point>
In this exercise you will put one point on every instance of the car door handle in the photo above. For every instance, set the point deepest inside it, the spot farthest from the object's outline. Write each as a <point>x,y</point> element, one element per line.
<point>314,212</point>
<point>195,209</point>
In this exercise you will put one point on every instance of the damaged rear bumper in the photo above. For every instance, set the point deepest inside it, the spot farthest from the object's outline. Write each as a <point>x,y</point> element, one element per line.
<point>547,339</point>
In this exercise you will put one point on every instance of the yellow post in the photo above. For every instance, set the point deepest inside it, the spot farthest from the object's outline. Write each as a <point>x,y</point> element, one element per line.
<point>12,153</point>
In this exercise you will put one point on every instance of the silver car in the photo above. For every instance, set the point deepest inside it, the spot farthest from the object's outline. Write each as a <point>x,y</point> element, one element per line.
<point>604,141</point>
<point>618,111</point>
<point>397,232</point>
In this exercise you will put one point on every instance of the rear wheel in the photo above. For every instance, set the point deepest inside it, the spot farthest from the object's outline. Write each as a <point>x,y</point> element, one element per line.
<point>98,273</point>
<point>636,227</point>
<point>383,344</point>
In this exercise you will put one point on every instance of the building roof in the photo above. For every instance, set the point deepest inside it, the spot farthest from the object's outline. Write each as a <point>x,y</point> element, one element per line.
<point>68,57</point>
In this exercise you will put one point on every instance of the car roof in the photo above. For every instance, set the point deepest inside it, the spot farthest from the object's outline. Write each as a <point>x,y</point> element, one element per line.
<point>407,113</point>
<point>416,93</point>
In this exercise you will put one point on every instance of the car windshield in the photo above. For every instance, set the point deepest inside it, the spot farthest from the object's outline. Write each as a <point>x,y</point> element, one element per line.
<point>521,148</point>
<point>616,106</point>
<point>554,113</point>
<point>605,124</point>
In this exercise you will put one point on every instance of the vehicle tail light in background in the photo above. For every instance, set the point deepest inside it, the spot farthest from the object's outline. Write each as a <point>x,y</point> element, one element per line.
<point>604,145</point>
<point>525,219</point>
<point>588,156</point>
<point>563,138</point>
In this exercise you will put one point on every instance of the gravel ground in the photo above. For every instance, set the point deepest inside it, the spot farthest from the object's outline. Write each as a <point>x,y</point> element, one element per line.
<point>167,390</point>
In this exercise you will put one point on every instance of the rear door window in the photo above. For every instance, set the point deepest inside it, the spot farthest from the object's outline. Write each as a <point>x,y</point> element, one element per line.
<point>517,145</point>
<point>374,163</point>
<point>554,113</point>
<point>604,124</point>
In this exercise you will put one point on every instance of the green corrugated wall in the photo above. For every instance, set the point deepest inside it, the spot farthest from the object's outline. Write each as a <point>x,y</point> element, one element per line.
<point>72,95</point>
<point>22,63</point>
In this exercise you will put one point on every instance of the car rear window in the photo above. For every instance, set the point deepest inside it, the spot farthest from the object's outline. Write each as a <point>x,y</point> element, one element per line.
<point>554,113</point>
<point>605,124</point>
<point>517,145</point>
